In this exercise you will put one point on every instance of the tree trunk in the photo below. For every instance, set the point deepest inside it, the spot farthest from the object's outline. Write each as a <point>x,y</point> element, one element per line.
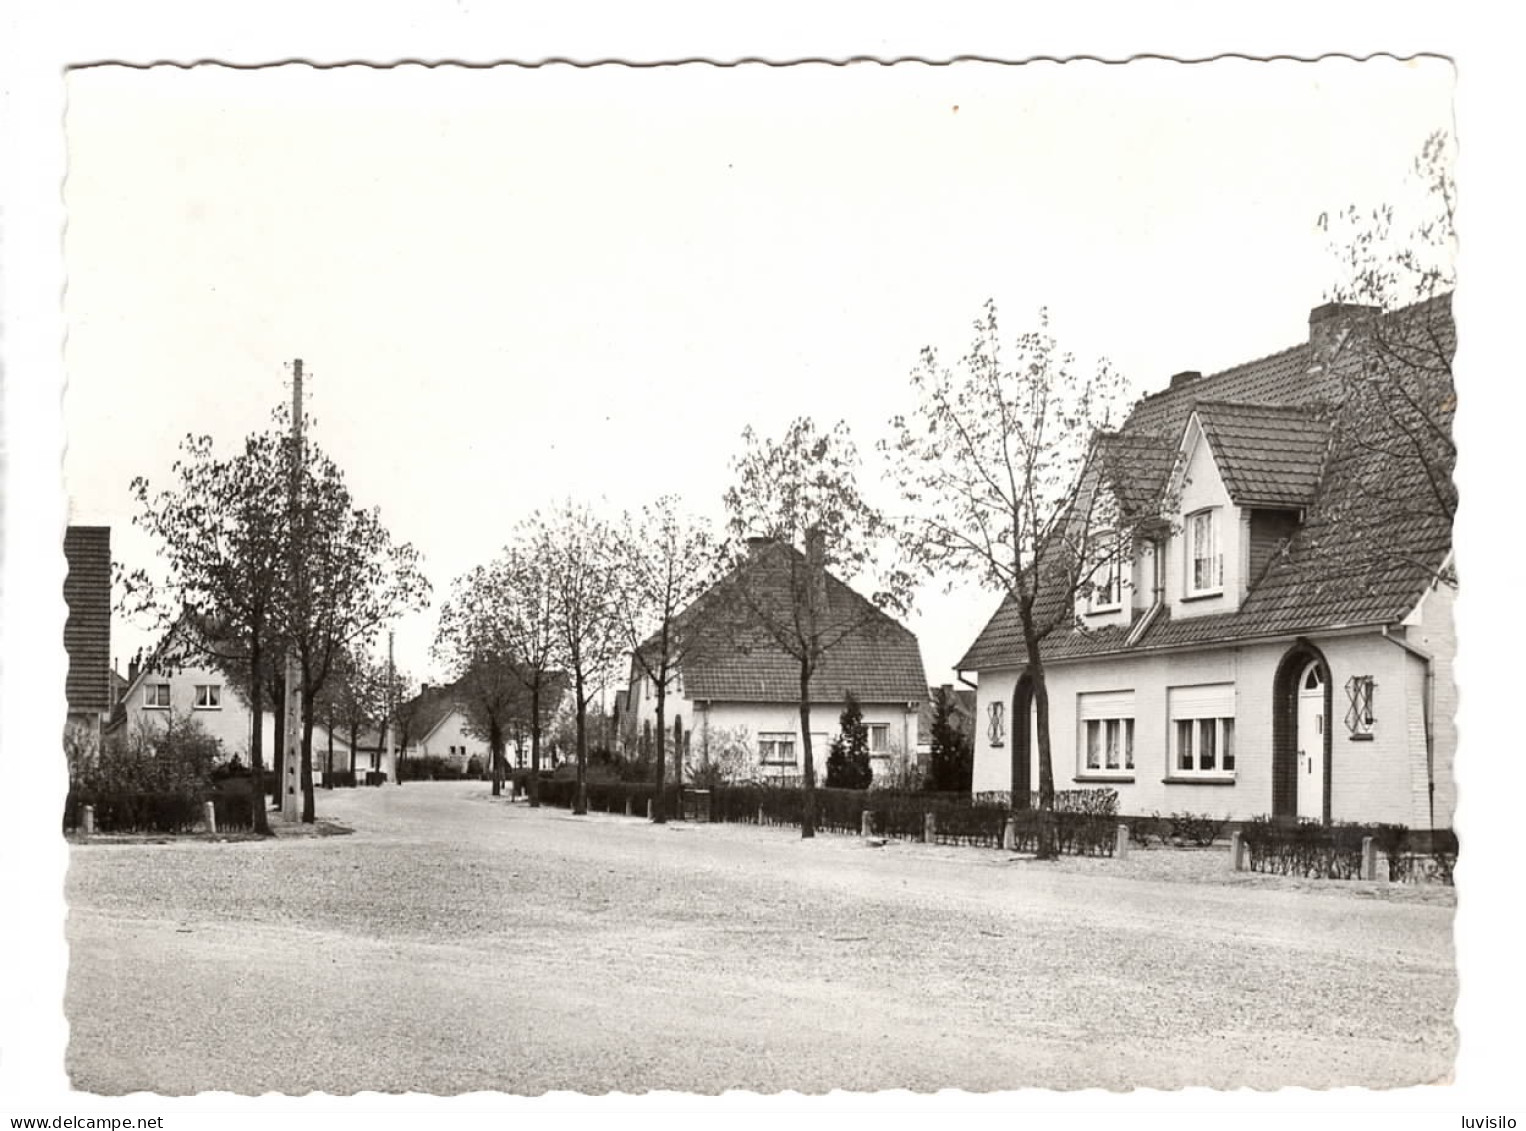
<point>278,763</point>
<point>328,769</point>
<point>1047,850</point>
<point>354,742</point>
<point>535,744</point>
<point>495,748</point>
<point>659,813</point>
<point>257,740</point>
<point>580,798</point>
<point>305,766</point>
<point>808,813</point>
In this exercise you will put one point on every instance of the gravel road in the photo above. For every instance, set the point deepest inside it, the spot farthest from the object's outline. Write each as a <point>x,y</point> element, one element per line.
<point>457,943</point>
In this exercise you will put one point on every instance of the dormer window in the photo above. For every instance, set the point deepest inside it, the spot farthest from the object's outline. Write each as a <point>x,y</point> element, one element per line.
<point>1205,557</point>
<point>1107,576</point>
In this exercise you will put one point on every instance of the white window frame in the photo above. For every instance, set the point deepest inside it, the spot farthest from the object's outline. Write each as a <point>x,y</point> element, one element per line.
<point>1106,588</point>
<point>1212,522</point>
<point>1105,727</point>
<point>209,697</point>
<point>1200,717</point>
<point>772,743</point>
<point>882,732</point>
<point>152,703</point>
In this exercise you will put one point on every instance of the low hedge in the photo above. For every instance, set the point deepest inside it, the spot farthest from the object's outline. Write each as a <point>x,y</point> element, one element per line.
<point>1314,850</point>
<point>167,813</point>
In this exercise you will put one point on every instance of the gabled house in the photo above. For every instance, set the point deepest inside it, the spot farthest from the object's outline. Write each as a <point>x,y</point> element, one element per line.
<point>740,690</point>
<point>438,727</point>
<point>1284,643</point>
<point>87,631</point>
<point>183,679</point>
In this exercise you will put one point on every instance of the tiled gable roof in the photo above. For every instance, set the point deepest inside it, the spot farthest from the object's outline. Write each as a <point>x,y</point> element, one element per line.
<point>1267,455</point>
<point>1326,575</point>
<point>87,631</point>
<point>732,660</point>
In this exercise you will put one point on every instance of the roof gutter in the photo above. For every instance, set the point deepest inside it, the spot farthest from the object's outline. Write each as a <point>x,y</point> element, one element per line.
<point>959,675</point>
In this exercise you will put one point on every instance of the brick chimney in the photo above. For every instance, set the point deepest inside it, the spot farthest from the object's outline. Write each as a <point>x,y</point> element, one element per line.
<point>756,544</point>
<point>1185,377</point>
<point>1330,324</point>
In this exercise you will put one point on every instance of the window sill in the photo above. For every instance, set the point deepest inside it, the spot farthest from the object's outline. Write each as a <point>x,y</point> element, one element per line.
<point>1205,595</point>
<point>1119,777</point>
<point>217,708</point>
<point>1362,737</point>
<point>155,707</point>
<point>1103,610</point>
<point>1200,779</point>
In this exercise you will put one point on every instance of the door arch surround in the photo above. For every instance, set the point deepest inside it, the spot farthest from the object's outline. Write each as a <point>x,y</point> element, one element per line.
<point>1022,742</point>
<point>1287,688</point>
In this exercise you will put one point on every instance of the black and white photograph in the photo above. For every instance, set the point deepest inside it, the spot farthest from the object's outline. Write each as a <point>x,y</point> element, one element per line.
<point>842,577</point>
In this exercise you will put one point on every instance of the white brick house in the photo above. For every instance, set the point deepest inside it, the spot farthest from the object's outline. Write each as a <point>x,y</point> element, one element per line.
<point>1280,649</point>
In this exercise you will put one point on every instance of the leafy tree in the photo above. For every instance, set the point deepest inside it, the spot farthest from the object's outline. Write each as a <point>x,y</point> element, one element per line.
<point>350,581</point>
<point>580,563</point>
<point>222,540</point>
<point>666,562</point>
<point>952,759</point>
<point>476,641</point>
<point>794,513</point>
<point>1009,472</point>
<point>848,763</point>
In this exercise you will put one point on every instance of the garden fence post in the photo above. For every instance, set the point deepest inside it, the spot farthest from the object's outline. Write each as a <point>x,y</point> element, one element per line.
<point>89,820</point>
<point>866,823</point>
<point>929,828</point>
<point>1236,851</point>
<point>760,814</point>
<point>648,808</point>
<point>1122,850</point>
<point>1369,858</point>
<point>627,806</point>
<point>209,811</point>
<point>1009,834</point>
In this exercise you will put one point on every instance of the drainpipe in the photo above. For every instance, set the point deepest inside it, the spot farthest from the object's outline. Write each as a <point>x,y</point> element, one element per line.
<point>1157,596</point>
<point>1428,706</point>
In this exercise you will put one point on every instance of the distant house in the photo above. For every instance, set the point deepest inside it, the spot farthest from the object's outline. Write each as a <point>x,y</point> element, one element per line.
<point>738,688</point>
<point>438,727</point>
<point>87,631</point>
<point>962,718</point>
<point>180,678</point>
<point>1284,643</point>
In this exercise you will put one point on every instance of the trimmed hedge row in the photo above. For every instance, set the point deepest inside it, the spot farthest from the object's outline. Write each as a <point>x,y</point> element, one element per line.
<point>1334,852</point>
<point>160,812</point>
<point>1085,821</point>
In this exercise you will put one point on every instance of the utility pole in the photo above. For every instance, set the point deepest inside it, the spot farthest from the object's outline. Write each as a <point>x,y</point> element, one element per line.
<point>387,736</point>
<point>291,785</point>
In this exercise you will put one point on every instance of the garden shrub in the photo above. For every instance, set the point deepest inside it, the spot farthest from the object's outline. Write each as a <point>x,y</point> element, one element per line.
<point>1197,829</point>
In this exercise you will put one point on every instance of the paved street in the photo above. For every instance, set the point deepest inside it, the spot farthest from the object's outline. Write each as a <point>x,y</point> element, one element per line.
<point>455,943</point>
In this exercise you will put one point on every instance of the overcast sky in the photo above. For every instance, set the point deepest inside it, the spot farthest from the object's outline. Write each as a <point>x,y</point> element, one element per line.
<point>510,286</point>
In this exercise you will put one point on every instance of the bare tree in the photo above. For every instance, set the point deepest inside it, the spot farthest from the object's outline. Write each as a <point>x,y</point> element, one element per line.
<point>524,584</point>
<point>1008,472</point>
<point>580,554</point>
<point>1390,350</point>
<point>666,562</point>
<point>795,512</point>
